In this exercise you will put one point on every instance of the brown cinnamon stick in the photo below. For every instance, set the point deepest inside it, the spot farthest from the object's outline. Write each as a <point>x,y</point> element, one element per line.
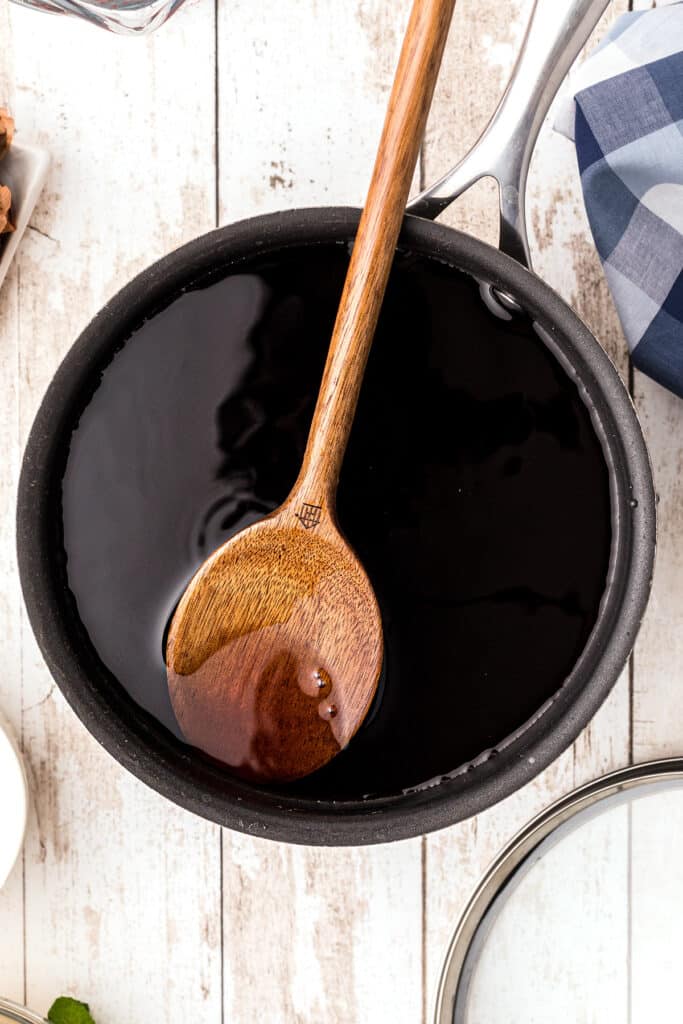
<point>6,131</point>
<point>6,136</point>
<point>6,224</point>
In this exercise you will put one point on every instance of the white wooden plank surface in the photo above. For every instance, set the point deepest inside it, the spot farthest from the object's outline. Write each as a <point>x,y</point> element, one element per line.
<point>6,57</point>
<point>11,896</point>
<point>658,659</point>
<point>302,100</point>
<point>303,132</point>
<point>122,890</point>
<point>123,897</point>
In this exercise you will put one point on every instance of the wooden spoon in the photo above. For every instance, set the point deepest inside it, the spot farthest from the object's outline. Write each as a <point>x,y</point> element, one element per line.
<point>275,650</point>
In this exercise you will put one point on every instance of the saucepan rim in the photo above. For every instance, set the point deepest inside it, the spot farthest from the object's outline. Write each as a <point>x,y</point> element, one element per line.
<point>139,743</point>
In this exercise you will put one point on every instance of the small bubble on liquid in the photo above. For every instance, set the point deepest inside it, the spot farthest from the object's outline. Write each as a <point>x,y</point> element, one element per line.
<point>323,681</point>
<point>329,711</point>
<point>633,503</point>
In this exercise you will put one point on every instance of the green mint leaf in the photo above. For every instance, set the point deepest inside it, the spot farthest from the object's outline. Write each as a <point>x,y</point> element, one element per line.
<point>69,1011</point>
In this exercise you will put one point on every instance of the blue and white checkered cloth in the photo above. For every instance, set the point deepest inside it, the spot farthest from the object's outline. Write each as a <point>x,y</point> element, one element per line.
<point>628,128</point>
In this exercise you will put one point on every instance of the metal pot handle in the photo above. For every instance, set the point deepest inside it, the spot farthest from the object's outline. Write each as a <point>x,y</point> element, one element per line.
<point>554,37</point>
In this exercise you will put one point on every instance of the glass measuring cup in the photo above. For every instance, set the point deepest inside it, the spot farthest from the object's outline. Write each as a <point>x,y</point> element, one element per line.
<point>124,16</point>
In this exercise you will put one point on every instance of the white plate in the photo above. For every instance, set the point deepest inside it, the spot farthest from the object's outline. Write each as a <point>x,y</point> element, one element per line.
<point>24,169</point>
<point>13,802</point>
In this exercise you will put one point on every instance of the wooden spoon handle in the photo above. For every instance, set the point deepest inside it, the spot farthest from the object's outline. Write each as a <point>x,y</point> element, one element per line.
<point>373,251</point>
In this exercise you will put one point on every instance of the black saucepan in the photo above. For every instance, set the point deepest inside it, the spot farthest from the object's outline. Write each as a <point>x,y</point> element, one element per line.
<point>416,417</point>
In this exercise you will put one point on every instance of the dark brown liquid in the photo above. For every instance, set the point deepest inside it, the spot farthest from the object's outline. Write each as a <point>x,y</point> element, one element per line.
<point>474,492</point>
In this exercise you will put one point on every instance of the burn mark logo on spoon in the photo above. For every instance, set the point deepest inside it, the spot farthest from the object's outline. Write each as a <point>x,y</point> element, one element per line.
<point>309,516</point>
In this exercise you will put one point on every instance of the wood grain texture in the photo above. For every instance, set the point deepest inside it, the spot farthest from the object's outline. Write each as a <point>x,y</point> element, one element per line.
<point>11,895</point>
<point>122,890</point>
<point>302,100</point>
<point>275,650</point>
<point>321,934</point>
<point>6,57</point>
<point>658,657</point>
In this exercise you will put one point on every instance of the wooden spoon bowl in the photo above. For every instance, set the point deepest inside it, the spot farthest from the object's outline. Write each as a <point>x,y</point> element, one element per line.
<point>281,628</point>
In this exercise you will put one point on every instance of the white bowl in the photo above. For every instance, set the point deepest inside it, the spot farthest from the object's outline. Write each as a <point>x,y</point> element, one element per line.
<point>24,169</point>
<point>13,802</point>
